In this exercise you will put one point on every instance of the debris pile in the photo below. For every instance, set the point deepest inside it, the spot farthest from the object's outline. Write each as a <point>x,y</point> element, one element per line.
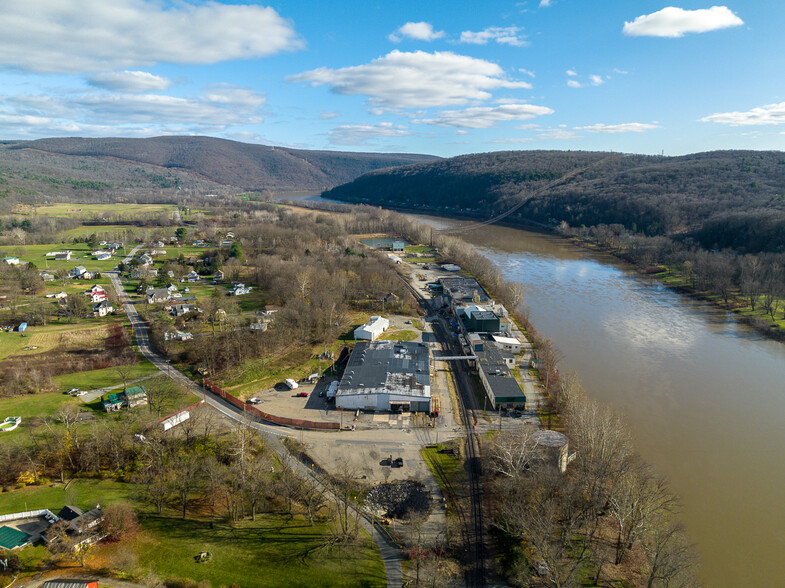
<point>402,500</point>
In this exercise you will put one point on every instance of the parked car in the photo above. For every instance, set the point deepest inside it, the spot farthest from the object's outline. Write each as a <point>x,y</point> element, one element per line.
<point>255,400</point>
<point>398,463</point>
<point>82,393</point>
<point>292,384</point>
<point>321,393</point>
<point>73,391</point>
<point>302,394</point>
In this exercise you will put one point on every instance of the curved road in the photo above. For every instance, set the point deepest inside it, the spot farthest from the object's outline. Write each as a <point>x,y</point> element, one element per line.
<point>391,554</point>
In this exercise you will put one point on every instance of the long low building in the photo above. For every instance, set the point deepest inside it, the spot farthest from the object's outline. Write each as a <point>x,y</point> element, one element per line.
<point>387,376</point>
<point>500,385</point>
<point>372,329</point>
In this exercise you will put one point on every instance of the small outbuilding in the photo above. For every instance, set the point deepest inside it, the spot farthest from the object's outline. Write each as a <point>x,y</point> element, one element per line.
<point>371,330</point>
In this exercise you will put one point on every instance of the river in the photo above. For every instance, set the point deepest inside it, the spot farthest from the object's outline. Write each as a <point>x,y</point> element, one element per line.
<point>704,396</point>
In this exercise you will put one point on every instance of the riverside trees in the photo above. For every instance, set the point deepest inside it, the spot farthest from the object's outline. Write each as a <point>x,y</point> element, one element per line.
<point>609,513</point>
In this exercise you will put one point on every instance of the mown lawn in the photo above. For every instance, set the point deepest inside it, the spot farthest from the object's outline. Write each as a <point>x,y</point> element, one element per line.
<point>403,335</point>
<point>104,378</point>
<point>82,492</point>
<point>275,550</point>
<point>31,405</point>
<point>81,254</point>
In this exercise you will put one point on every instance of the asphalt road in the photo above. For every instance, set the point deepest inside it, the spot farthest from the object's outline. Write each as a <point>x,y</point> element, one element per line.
<point>390,552</point>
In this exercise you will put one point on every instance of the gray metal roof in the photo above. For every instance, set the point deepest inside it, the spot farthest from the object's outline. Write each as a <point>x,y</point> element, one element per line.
<point>466,289</point>
<point>398,367</point>
<point>499,376</point>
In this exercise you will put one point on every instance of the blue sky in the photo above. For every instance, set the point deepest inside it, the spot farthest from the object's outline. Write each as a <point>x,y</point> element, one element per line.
<point>431,77</point>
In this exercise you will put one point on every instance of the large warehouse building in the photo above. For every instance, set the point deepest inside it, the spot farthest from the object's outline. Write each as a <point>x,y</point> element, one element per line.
<point>387,376</point>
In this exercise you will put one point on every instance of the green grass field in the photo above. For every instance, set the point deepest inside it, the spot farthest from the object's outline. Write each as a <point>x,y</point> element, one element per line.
<point>103,378</point>
<point>126,210</point>
<point>54,335</point>
<point>80,255</point>
<point>82,492</point>
<point>275,550</point>
<point>403,335</point>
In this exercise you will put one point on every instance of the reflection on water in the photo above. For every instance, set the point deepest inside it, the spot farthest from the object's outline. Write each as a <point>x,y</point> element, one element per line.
<point>705,396</point>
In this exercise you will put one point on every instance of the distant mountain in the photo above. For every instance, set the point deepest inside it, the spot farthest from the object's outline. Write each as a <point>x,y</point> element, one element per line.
<point>733,199</point>
<point>196,162</point>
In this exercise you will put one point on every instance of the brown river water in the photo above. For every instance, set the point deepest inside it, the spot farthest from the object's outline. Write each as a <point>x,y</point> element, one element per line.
<point>704,396</point>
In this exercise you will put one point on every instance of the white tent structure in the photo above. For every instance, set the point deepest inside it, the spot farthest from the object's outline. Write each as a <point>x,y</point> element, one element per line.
<point>371,330</point>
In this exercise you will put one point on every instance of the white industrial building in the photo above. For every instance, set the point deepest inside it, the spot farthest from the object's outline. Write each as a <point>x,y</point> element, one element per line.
<point>387,376</point>
<point>371,330</point>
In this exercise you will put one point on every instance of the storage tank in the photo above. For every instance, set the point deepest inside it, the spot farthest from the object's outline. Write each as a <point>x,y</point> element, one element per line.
<point>555,447</point>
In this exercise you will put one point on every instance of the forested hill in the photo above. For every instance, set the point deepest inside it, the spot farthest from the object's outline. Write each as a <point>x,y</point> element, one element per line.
<point>721,199</point>
<point>198,162</point>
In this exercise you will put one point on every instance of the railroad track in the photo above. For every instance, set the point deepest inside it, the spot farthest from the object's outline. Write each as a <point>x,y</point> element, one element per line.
<point>473,524</point>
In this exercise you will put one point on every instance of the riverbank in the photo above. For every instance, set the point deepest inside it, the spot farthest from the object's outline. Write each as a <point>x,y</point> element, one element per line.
<point>767,324</point>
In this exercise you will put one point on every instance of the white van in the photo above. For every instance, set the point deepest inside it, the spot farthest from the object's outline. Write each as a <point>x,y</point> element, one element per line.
<point>292,384</point>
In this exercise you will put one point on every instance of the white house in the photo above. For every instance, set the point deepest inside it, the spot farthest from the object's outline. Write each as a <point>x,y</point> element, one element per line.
<point>371,330</point>
<point>191,277</point>
<point>80,272</point>
<point>102,308</point>
<point>239,289</point>
<point>103,256</point>
<point>11,260</point>
<point>177,336</point>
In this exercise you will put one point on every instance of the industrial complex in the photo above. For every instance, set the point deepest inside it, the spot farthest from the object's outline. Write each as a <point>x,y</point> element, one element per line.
<point>387,376</point>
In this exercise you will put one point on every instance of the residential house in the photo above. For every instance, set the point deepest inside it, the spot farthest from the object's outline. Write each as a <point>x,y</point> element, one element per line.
<point>11,260</point>
<point>158,252</point>
<point>145,259</point>
<point>47,277</point>
<point>96,289</point>
<point>259,326</point>
<point>198,243</point>
<point>143,271</point>
<point>102,308</point>
<point>177,336</point>
<point>135,396</point>
<point>181,309</point>
<point>61,296</point>
<point>103,256</point>
<point>226,243</point>
<point>191,277</point>
<point>159,244</point>
<point>80,273</point>
<point>239,289</point>
<point>157,295</point>
<point>171,287</point>
<point>114,246</point>
<point>218,276</point>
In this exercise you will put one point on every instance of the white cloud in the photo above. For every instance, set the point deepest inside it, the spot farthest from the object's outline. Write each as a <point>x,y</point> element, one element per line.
<point>483,117</point>
<point>501,35</point>
<point>415,80</point>
<point>545,3</point>
<point>558,135</point>
<point>619,128</point>
<point>76,36</point>
<point>594,80</point>
<point>771,114</point>
<point>420,31</point>
<point>676,22</point>
<point>129,81</point>
<point>362,134</point>
<point>620,71</point>
<point>527,72</point>
<point>94,114</point>
<point>515,140</point>
<point>328,114</point>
